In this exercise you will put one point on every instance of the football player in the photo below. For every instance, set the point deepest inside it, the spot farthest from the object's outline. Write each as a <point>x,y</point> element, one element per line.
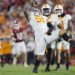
<point>66,25</point>
<point>20,48</point>
<point>44,34</point>
<point>53,19</point>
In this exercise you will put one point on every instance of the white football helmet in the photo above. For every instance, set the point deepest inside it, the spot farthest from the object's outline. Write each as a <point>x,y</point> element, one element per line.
<point>35,11</point>
<point>46,10</point>
<point>58,10</point>
<point>16,25</point>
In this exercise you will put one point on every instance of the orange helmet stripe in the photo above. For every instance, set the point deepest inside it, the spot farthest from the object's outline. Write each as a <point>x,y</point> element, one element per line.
<point>45,5</point>
<point>57,6</point>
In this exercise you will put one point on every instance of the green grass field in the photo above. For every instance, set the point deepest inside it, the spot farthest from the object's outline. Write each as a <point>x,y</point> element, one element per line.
<point>20,70</point>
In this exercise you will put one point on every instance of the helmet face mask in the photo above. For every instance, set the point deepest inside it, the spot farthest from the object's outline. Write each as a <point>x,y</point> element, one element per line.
<point>58,12</point>
<point>36,11</point>
<point>46,11</point>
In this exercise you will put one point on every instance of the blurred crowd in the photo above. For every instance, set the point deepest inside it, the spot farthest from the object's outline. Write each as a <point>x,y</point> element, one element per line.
<point>10,10</point>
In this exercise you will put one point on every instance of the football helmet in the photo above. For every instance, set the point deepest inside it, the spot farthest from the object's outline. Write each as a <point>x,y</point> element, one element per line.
<point>35,11</point>
<point>16,25</point>
<point>46,10</point>
<point>58,10</point>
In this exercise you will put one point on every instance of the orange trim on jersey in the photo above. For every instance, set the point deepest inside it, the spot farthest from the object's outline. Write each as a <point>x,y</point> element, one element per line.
<point>62,17</point>
<point>49,16</point>
<point>62,24</point>
<point>51,21</point>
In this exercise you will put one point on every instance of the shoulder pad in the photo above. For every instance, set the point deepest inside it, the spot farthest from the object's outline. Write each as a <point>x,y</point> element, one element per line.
<point>68,16</point>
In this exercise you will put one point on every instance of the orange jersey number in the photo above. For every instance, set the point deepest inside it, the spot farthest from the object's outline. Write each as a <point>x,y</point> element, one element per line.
<point>39,19</point>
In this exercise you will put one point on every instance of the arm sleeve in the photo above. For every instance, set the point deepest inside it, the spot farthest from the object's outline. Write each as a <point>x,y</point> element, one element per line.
<point>70,26</point>
<point>51,27</point>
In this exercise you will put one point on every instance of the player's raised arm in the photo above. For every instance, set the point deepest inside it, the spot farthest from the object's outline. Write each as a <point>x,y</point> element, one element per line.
<point>27,10</point>
<point>26,14</point>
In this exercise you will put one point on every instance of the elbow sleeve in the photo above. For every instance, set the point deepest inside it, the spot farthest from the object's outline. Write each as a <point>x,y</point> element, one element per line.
<point>50,26</point>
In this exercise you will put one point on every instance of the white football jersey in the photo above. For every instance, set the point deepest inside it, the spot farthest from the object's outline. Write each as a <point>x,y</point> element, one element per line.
<point>53,19</point>
<point>64,21</point>
<point>39,24</point>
